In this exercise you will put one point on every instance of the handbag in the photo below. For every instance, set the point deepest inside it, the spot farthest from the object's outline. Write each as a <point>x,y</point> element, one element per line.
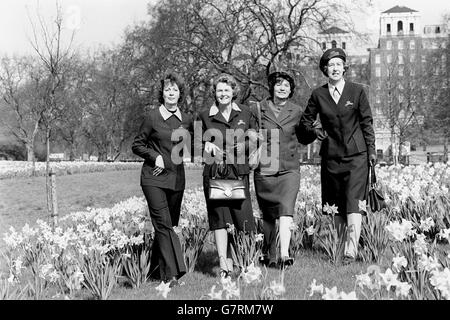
<point>223,188</point>
<point>255,156</point>
<point>376,198</point>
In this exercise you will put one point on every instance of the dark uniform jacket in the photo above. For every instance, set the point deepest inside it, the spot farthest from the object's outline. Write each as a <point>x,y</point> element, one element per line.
<point>240,118</point>
<point>155,138</point>
<point>349,124</point>
<point>289,134</point>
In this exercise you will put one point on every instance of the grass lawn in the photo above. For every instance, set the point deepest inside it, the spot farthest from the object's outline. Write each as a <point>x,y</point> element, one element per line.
<point>23,201</point>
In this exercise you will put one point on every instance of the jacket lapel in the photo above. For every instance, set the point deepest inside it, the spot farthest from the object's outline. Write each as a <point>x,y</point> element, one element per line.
<point>344,96</point>
<point>286,112</point>
<point>267,114</point>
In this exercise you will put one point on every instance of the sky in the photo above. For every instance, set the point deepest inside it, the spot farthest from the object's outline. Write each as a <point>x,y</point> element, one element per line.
<point>102,22</point>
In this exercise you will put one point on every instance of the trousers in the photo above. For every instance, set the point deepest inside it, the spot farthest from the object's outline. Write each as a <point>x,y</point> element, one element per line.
<point>166,257</point>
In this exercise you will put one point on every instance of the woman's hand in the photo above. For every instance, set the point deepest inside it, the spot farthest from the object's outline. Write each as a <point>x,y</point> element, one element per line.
<point>159,166</point>
<point>212,149</point>
<point>372,159</point>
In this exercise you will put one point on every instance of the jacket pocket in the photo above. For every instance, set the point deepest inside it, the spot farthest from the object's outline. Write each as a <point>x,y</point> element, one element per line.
<point>359,141</point>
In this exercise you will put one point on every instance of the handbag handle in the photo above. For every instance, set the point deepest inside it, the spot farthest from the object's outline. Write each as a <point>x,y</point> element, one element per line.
<point>373,178</point>
<point>258,110</point>
<point>222,170</point>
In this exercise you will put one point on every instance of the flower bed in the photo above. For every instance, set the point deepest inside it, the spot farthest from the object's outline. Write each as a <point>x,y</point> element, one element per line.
<point>91,249</point>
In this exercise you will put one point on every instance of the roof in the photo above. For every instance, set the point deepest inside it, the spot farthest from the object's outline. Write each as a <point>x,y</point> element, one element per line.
<point>333,30</point>
<point>399,9</point>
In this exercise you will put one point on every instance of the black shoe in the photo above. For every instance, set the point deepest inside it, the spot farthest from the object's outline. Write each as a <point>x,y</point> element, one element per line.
<point>348,260</point>
<point>225,274</point>
<point>286,262</point>
<point>173,282</point>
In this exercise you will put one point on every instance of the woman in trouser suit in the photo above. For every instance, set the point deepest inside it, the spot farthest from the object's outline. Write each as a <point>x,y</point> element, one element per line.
<point>277,186</point>
<point>222,118</point>
<point>162,178</point>
<point>348,145</point>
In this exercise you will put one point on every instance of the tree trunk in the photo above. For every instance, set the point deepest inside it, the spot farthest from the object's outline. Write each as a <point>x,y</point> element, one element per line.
<point>30,151</point>
<point>47,171</point>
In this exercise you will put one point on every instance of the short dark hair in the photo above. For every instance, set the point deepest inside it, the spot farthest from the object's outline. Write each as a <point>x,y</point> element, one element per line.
<point>275,77</point>
<point>228,79</point>
<point>171,77</point>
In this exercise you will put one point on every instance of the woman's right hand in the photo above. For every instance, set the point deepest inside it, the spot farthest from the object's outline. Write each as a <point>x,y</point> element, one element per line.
<point>212,149</point>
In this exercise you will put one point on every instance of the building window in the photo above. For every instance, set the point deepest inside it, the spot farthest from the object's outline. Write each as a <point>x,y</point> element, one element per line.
<point>411,27</point>
<point>343,45</point>
<point>412,44</point>
<point>412,57</point>
<point>324,45</point>
<point>333,44</point>
<point>389,45</point>
<point>388,29</point>
<point>377,59</point>
<point>389,58</point>
<point>400,59</point>
<point>378,72</point>
<point>400,44</point>
<point>400,71</point>
<point>399,26</point>
<point>438,29</point>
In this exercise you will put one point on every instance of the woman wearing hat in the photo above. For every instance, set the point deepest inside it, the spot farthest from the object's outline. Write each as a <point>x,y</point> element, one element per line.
<point>348,145</point>
<point>277,184</point>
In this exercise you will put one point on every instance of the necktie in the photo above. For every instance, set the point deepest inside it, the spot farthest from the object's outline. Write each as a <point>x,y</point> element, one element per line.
<point>336,95</point>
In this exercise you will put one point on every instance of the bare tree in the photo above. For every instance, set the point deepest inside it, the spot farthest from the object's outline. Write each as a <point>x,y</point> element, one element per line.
<point>19,85</point>
<point>48,43</point>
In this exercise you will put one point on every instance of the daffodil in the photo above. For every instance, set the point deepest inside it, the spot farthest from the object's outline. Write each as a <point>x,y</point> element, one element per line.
<point>398,262</point>
<point>315,288</point>
<point>331,294</point>
<point>163,289</point>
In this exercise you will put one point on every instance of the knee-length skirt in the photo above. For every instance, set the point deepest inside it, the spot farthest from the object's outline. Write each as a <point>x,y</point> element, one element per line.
<point>223,213</point>
<point>345,183</point>
<point>276,194</point>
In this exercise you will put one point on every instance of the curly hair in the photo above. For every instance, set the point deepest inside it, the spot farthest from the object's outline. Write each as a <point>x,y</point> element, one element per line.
<point>275,77</point>
<point>171,78</point>
<point>228,79</point>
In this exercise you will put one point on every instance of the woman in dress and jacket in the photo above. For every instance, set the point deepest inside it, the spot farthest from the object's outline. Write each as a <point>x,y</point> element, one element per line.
<point>163,178</point>
<point>347,148</point>
<point>222,119</point>
<point>277,183</point>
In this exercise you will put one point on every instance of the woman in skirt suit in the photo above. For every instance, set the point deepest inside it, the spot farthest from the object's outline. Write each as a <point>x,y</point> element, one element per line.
<point>163,178</point>
<point>277,183</point>
<point>348,146</point>
<point>223,118</point>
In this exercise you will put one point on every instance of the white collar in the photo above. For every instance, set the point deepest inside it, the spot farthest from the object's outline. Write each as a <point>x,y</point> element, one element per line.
<point>340,86</point>
<point>214,110</point>
<point>167,114</point>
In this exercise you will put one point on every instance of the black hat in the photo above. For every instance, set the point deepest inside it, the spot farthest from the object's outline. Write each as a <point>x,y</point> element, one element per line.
<point>272,78</point>
<point>330,54</point>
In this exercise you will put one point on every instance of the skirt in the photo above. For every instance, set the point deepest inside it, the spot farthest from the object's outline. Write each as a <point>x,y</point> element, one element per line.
<point>345,183</point>
<point>224,213</point>
<point>276,194</point>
